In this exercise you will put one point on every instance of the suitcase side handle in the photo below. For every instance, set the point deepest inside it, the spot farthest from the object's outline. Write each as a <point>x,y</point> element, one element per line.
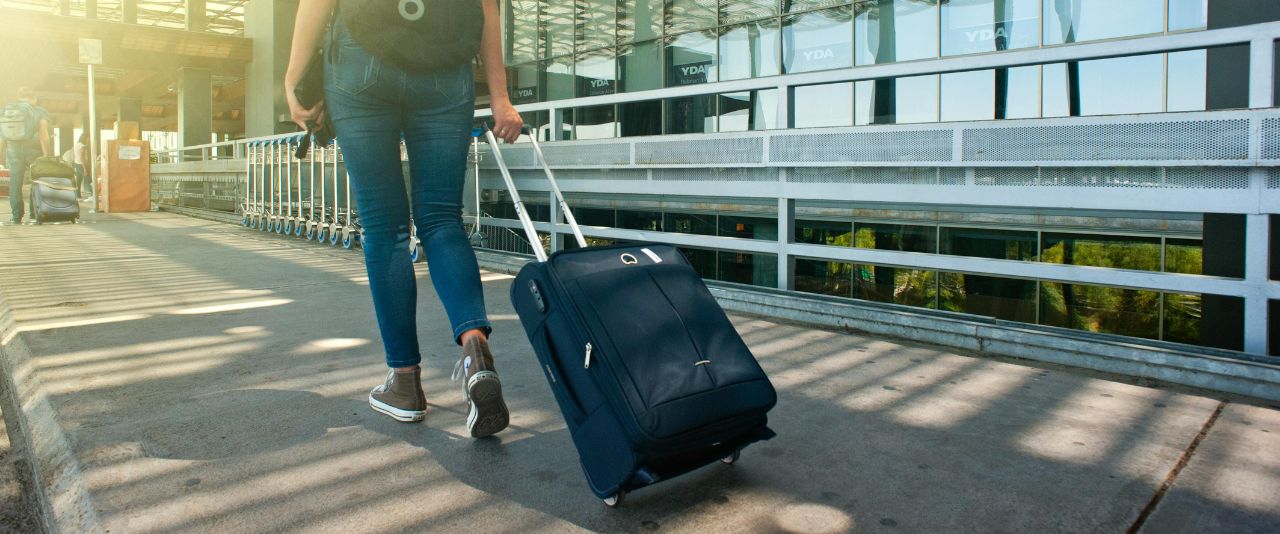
<point>559,386</point>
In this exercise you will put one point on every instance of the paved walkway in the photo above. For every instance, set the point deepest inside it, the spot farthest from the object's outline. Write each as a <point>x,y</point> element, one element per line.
<point>209,378</point>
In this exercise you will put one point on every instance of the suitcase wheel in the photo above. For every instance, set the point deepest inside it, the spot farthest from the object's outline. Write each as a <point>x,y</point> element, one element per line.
<point>732,458</point>
<point>615,500</point>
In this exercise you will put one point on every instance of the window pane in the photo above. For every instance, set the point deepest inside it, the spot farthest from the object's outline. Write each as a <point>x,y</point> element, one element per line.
<point>640,118</point>
<point>816,106</point>
<point>978,95</point>
<point>694,114</point>
<point>1120,252</point>
<point>755,110</point>
<point>735,11</point>
<point>1184,256</point>
<point>1073,21</point>
<point>703,261</point>
<point>639,20</point>
<point>640,220</point>
<point>818,40</point>
<point>749,50</point>
<point>987,243</point>
<point>1187,81</point>
<point>691,223</point>
<point>824,277</point>
<point>597,24</point>
<point>897,285</point>
<point>1127,312</point>
<point>796,6</point>
<point>970,26</point>
<point>557,26</point>
<point>908,30</point>
<point>1107,86</point>
<point>832,233</point>
<point>1002,298</point>
<point>596,72</point>
<point>686,15</point>
<point>560,82</point>
<point>901,237</point>
<point>692,58</point>
<point>523,80</point>
<point>1188,14</point>
<point>595,123</point>
<point>640,66</point>
<point>593,216</point>
<point>746,268</point>
<point>749,227</point>
<point>522,19</point>
<point>1182,315</point>
<point>898,101</point>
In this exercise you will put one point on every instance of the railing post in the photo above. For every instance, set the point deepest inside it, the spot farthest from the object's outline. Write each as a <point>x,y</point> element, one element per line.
<point>786,228</point>
<point>1257,242</point>
<point>1262,73</point>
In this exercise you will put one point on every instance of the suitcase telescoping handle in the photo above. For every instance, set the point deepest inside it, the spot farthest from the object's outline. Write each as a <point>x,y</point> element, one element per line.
<point>521,212</point>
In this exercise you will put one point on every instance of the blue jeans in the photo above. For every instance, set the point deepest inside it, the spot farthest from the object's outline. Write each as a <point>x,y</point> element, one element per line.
<point>18,159</point>
<point>373,105</point>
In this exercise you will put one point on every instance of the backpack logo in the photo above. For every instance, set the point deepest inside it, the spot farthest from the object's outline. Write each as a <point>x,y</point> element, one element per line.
<point>412,10</point>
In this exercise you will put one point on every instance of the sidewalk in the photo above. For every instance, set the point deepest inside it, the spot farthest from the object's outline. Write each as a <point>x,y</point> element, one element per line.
<point>209,378</point>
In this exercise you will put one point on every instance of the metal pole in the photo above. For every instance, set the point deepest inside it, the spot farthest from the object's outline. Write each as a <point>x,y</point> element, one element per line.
<point>93,141</point>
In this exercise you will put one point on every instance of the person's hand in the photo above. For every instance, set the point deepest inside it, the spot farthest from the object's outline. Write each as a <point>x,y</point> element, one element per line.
<point>507,122</point>
<point>303,117</point>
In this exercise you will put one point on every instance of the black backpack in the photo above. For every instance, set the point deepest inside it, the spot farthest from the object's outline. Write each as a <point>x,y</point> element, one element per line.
<point>420,36</point>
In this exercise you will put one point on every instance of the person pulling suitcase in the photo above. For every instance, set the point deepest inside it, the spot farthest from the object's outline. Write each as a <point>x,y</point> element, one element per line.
<point>394,68</point>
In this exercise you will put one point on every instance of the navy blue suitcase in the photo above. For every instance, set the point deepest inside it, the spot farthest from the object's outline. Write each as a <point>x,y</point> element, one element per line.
<point>651,376</point>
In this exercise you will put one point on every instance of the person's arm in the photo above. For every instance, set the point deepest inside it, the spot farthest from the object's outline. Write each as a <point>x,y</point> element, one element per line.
<point>46,141</point>
<point>506,120</point>
<point>313,15</point>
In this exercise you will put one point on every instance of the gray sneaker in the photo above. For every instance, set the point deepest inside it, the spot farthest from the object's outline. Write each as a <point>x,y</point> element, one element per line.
<point>488,414</point>
<point>401,396</point>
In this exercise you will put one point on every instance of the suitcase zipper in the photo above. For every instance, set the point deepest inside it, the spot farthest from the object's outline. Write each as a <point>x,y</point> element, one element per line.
<point>586,364</point>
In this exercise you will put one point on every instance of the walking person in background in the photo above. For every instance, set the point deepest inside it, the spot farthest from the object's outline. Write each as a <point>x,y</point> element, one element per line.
<point>403,69</point>
<point>24,136</point>
<point>75,157</point>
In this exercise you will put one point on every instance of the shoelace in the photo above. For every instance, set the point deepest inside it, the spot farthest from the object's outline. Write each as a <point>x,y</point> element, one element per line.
<point>458,369</point>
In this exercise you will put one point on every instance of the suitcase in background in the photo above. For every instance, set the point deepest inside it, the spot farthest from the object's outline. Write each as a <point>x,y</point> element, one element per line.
<point>651,376</point>
<point>54,200</point>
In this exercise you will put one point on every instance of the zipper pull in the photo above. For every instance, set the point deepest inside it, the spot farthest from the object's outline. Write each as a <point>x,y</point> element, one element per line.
<point>586,364</point>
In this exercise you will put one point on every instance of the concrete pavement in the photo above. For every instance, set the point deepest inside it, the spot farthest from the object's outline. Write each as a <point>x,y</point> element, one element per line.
<point>205,377</point>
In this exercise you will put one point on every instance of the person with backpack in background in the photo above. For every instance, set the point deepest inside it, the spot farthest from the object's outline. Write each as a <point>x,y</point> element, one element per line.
<point>24,136</point>
<point>398,69</point>
<point>75,157</point>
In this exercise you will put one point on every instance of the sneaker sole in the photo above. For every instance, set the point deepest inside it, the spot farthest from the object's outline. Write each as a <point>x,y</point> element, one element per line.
<point>488,414</point>
<point>404,416</point>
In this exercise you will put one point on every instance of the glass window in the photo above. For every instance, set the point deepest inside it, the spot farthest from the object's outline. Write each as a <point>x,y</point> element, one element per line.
<point>984,95</point>
<point>907,30</point>
<point>832,233</point>
<point>596,72</point>
<point>971,26</point>
<point>816,106</point>
<point>1128,312</point>
<point>597,24</point>
<point>639,20</point>
<point>796,6</point>
<point>691,223</point>
<point>988,243</point>
<point>1188,14</point>
<point>897,101</point>
<point>597,122</point>
<point>753,110</point>
<point>687,15</point>
<point>1187,81</point>
<point>1073,21</point>
<point>747,268</point>
<point>593,216</point>
<point>897,285</point>
<point>1183,256</point>
<point>559,78</point>
<point>735,11</point>
<point>749,50</point>
<point>640,220</point>
<point>818,40</point>
<point>1120,252</point>
<point>1002,298</point>
<point>522,23</point>
<point>1106,86</point>
<point>824,277</point>
<point>749,227</point>
<point>1182,313</point>
<point>902,237</point>
<point>640,66</point>
<point>557,27</point>
<point>691,58</point>
<point>523,80</point>
<point>702,260</point>
<point>640,118</point>
<point>692,114</point>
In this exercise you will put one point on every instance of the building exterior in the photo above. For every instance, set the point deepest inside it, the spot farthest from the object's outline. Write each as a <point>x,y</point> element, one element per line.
<point>595,73</point>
